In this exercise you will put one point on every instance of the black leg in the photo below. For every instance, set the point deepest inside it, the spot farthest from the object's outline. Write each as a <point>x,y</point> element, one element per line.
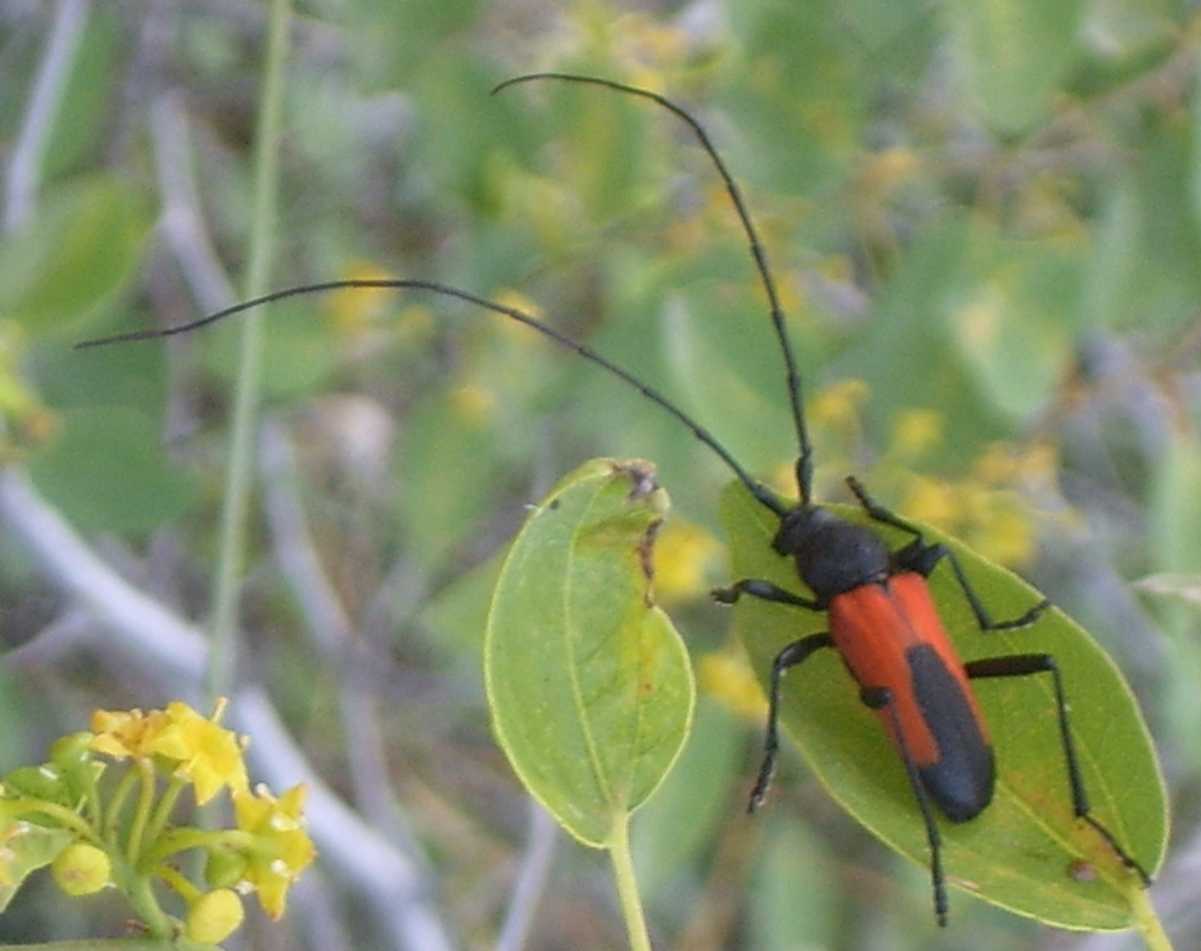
<point>1022,665</point>
<point>795,653</point>
<point>878,512</point>
<point>983,618</point>
<point>879,698</point>
<point>765,591</point>
<point>922,558</point>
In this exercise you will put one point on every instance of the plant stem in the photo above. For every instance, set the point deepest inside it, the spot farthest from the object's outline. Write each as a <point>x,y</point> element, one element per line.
<point>141,895</point>
<point>1148,923</point>
<point>237,480</point>
<point>183,839</point>
<point>116,804</point>
<point>61,814</point>
<point>142,815</point>
<point>627,887</point>
<point>162,812</point>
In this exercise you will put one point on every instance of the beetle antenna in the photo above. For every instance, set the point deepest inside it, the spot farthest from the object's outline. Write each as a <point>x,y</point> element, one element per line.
<point>763,494</point>
<point>804,465</point>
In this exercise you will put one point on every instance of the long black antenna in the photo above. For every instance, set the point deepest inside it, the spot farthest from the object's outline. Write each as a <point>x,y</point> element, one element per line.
<point>804,466</point>
<point>763,494</point>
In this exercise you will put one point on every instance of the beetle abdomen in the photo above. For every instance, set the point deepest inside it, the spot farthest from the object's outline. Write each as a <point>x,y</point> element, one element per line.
<point>962,778</point>
<point>891,637</point>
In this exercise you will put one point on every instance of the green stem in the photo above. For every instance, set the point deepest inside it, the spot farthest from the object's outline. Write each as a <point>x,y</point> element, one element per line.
<point>178,884</point>
<point>162,812</point>
<point>141,895</point>
<point>238,473</point>
<point>1148,923</point>
<point>182,839</point>
<point>116,804</point>
<point>140,818</point>
<point>61,814</point>
<point>627,887</point>
<point>95,812</point>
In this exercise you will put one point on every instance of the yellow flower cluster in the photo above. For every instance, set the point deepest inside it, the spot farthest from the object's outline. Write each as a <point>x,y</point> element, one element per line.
<point>198,750</point>
<point>208,755</point>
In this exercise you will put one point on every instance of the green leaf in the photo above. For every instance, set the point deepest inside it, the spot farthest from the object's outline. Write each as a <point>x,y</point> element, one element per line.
<point>1023,851</point>
<point>27,847</point>
<point>1016,53</point>
<point>793,899</point>
<point>588,682</point>
<point>107,473</point>
<point>449,472</point>
<point>81,249</point>
<point>680,823</point>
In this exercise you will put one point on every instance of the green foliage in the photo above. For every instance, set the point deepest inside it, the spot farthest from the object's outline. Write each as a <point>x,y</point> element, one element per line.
<point>1018,853</point>
<point>106,470</point>
<point>987,212</point>
<point>1016,54</point>
<point>82,248</point>
<point>589,684</point>
<point>792,898</point>
<point>30,847</point>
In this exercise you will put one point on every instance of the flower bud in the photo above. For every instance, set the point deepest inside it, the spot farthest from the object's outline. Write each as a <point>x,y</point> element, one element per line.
<point>71,750</point>
<point>224,868</point>
<point>81,869</point>
<point>214,917</point>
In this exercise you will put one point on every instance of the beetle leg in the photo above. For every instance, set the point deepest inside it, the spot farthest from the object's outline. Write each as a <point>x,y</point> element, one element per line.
<point>983,618</point>
<point>922,558</point>
<point>765,591</point>
<point>880,698</point>
<point>879,513</point>
<point>1022,665</point>
<point>792,655</point>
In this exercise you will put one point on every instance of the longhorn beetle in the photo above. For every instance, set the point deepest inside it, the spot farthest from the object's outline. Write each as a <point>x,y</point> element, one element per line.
<point>882,618</point>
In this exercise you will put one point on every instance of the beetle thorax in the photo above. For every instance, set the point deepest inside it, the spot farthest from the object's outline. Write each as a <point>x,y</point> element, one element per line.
<point>832,555</point>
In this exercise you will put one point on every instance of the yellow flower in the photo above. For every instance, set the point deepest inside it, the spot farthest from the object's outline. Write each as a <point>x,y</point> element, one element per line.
<point>685,551</point>
<point>125,733</point>
<point>916,431</point>
<point>283,849</point>
<point>839,403</point>
<point>727,677</point>
<point>209,755</point>
<point>352,307</point>
<point>473,404</point>
<point>934,501</point>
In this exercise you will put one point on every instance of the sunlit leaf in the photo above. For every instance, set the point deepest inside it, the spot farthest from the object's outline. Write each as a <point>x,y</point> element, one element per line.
<point>1024,852</point>
<point>588,682</point>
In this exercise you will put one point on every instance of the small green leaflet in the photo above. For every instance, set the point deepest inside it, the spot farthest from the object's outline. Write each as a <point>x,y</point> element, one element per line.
<point>1026,851</point>
<point>589,683</point>
<point>24,848</point>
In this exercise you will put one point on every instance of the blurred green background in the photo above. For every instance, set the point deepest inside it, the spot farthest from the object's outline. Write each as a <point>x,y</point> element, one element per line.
<point>985,220</point>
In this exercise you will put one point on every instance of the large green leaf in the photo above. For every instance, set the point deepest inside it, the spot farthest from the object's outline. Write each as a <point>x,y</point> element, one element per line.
<point>589,684</point>
<point>82,249</point>
<point>1015,53</point>
<point>1024,851</point>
